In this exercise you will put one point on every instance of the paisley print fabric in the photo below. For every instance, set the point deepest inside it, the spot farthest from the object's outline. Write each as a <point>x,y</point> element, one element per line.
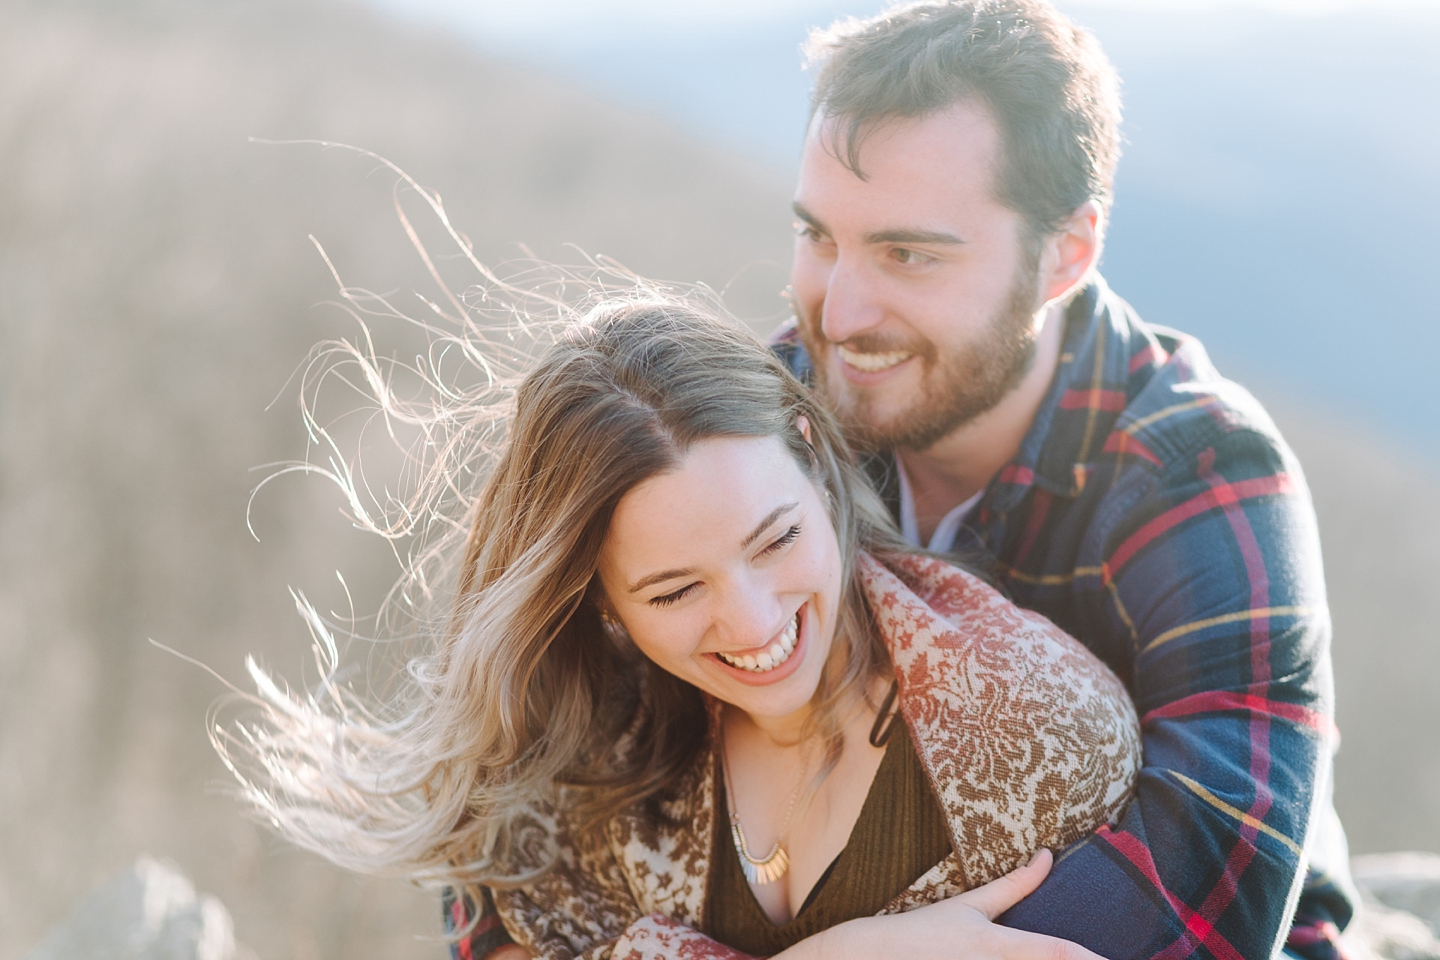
<point>1028,740</point>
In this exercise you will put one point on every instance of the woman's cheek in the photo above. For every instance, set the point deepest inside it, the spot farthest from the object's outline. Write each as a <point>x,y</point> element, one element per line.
<point>669,640</point>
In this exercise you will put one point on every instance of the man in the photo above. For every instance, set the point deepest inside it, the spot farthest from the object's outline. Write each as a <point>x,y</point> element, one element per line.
<point>952,201</point>
<point>951,205</point>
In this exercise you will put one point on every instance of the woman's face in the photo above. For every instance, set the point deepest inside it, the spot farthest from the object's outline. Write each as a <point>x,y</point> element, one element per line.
<point>726,573</point>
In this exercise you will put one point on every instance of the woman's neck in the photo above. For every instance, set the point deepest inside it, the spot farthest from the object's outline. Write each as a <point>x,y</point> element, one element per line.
<point>771,786</point>
<point>782,732</point>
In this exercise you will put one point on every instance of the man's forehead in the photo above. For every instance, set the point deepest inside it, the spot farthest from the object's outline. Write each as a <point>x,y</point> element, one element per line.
<point>907,167</point>
<point>965,129</point>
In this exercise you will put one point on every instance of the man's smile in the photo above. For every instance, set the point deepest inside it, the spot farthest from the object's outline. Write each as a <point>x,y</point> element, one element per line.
<point>872,362</point>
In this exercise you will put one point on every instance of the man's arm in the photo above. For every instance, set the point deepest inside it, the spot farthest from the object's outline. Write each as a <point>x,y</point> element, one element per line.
<point>1210,586</point>
<point>482,940</point>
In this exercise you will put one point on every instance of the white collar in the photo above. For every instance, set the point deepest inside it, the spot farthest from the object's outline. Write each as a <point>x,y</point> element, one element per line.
<point>943,539</point>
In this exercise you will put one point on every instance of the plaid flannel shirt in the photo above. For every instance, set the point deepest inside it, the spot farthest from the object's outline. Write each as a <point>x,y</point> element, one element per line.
<point>1154,512</point>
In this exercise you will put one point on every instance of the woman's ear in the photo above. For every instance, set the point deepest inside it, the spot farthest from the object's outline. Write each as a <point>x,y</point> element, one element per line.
<point>604,609</point>
<point>609,622</point>
<point>620,640</point>
<point>803,422</point>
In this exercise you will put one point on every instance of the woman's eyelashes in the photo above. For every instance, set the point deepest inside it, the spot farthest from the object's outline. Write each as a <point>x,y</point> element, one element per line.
<point>770,549</point>
<point>781,542</point>
<point>672,597</point>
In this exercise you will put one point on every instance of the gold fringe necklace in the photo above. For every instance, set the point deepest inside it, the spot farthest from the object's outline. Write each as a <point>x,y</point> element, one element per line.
<point>775,864</point>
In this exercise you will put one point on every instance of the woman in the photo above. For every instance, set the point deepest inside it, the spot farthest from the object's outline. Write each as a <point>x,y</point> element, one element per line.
<point>695,697</point>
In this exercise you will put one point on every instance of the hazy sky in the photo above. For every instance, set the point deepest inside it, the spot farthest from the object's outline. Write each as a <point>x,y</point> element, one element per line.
<point>527,15</point>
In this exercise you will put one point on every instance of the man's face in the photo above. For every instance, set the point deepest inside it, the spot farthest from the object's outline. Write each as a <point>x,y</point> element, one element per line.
<point>915,289</point>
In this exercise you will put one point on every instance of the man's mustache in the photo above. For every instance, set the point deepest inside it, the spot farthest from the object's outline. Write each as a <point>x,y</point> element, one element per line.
<point>881,343</point>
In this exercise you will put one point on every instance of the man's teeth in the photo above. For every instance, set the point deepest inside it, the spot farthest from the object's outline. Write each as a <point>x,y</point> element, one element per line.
<point>773,655</point>
<point>872,362</point>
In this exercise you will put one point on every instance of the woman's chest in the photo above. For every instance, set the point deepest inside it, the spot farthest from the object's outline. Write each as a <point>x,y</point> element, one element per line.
<point>899,835</point>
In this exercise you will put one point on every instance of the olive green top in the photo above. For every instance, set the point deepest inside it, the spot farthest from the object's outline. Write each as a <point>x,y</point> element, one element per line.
<point>901,833</point>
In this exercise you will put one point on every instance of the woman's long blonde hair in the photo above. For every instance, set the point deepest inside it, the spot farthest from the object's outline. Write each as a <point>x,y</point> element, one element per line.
<point>519,703</point>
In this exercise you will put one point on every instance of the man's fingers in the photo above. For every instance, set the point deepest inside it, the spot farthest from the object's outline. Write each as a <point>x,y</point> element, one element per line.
<point>510,951</point>
<point>1020,945</point>
<point>997,896</point>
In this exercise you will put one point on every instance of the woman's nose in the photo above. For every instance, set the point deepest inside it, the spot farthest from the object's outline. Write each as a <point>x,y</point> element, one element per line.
<point>748,617</point>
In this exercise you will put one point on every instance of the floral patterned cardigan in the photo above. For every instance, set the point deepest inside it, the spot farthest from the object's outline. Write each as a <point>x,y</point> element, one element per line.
<point>1027,738</point>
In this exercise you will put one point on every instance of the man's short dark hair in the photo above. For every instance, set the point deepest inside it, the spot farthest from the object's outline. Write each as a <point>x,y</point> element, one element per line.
<point>1046,83</point>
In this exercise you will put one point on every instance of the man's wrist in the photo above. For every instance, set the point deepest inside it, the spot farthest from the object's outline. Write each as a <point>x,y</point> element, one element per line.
<point>861,937</point>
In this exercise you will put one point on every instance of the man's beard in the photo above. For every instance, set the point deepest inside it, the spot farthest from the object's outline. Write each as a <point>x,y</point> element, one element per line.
<point>956,388</point>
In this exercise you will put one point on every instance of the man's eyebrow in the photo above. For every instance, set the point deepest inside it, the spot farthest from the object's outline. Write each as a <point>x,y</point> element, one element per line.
<point>912,236</point>
<point>896,235</point>
<point>807,216</point>
<point>663,575</point>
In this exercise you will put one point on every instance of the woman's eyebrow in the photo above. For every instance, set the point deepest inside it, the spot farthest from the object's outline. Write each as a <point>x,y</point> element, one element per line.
<point>770,518</point>
<point>660,577</point>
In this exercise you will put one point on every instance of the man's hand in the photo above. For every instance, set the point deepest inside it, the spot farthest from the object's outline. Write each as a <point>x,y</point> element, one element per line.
<point>962,926</point>
<point>510,951</point>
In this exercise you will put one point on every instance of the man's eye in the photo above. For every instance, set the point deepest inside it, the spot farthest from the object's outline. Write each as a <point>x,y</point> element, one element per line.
<point>783,541</point>
<point>803,229</point>
<point>908,256</point>
<point>670,598</point>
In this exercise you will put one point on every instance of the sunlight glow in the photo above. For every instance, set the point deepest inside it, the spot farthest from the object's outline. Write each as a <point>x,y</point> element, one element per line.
<point>528,15</point>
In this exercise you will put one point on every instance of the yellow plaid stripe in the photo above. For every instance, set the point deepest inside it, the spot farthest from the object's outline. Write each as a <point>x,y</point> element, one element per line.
<point>1259,613</point>
<point>1235,812</point>
<point>1144,422</point>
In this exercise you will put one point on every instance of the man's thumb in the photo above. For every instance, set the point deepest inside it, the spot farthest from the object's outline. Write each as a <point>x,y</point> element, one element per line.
<point>997,896</point>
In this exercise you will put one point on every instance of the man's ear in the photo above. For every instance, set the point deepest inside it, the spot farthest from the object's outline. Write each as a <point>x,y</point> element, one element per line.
<point>1071,252</point>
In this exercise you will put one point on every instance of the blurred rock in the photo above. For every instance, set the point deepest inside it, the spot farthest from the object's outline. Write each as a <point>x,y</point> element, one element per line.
<point>149,912</point>
<point>1400,908</point>
<point>1406,881</point>
<point>1381,933</point>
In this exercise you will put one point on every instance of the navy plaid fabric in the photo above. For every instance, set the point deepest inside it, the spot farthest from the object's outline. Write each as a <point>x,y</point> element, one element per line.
<point>487,935</point>
<point>1154,512</point>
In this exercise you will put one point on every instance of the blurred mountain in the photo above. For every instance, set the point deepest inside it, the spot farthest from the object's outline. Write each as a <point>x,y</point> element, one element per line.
<point>158,290</point>
<point>1276,198</point>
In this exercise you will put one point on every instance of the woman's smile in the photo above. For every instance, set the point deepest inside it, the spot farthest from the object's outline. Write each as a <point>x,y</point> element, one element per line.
<point>772,663</point>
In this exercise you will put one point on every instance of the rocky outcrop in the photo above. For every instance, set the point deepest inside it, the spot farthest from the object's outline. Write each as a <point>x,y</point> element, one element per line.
<point>1402,881</point>
<point>1400,912</point>
<point>149,912</point>
<point>1382,933</point>
<point>152,912</point>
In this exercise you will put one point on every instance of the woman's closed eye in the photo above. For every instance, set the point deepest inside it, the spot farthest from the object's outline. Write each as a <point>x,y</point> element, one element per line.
<point>674,596</point>
<point>782,541</point>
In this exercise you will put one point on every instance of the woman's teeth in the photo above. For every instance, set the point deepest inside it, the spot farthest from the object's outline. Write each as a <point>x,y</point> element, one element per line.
<point>773,655</point>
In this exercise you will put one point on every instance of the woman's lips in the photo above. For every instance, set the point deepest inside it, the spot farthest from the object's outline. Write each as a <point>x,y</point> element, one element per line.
<point>788,662</point>
<point>769,657</point>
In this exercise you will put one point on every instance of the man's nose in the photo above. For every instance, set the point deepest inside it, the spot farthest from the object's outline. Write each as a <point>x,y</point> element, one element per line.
<point>851,304</point>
